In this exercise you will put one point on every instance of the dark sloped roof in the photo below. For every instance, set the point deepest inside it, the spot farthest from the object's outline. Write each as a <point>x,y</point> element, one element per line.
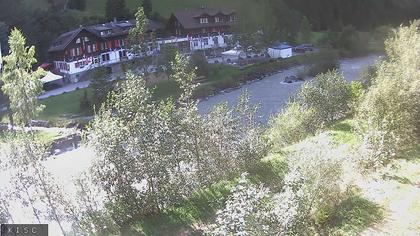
<point>115,28</point>
<point>189,18</point>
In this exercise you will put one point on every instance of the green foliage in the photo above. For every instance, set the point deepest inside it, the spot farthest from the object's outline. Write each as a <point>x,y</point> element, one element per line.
<point>292,125</point>
<point>199,62</point>
<point>77,4</point>
<point>21,84</point>
<point>318,104</point>
<point>148,8</point>
<point>389,114</point>
<point>305,33</point>
<point>328,95</point>
<point>167,55</point>
<point>115,8</point>
<point>100,86</point>
<point>351,216</point>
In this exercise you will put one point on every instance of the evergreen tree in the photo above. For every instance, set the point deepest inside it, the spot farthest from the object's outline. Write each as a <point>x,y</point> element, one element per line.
<point>100,86</point>
<point>21,84</point>
<point>77,4</point>
<point>148,9</point>
<point>304,35</point>
<point>115,9</point>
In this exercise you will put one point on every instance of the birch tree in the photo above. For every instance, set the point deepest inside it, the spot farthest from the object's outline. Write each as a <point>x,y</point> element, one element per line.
<point>21,84</point>
<point>36,187</point>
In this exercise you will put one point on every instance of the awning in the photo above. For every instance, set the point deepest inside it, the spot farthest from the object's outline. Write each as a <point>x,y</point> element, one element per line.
<point>50,77</point>
<point>232,53</point>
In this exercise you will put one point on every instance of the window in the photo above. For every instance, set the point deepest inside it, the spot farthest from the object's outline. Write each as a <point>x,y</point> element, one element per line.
<point>195,43</point>
<point>78,51</point>
<point>93,47</point>
<point>72,52</point>
<point>217,19</point>
<point>78,40</point>
<point>232,18</point>
<point>205,41</point>
<point>105,57</point>
<point>104,46</point>
<point>89,48</point>
<point>121,41</point>
<point>216,40</point>
<point>86,39</point>
<point>204,20</point>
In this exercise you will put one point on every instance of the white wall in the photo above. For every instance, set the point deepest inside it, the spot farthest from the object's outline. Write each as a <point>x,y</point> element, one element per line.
<point>277,53</point>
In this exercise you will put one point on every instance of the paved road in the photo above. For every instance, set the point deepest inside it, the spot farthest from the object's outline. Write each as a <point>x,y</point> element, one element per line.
<point>65,89</point>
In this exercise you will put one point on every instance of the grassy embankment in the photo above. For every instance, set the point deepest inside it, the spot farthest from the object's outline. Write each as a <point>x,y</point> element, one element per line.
<point>353,216</point>
<point>382,201</point>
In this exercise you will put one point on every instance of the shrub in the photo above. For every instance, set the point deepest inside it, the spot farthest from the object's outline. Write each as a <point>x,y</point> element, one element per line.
<point>293,124</point>
<point>319,103</point>
<point>327,95</point>
<point>389,116</point>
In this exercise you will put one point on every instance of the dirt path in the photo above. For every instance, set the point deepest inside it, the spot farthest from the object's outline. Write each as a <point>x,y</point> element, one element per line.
<point>397,191</point>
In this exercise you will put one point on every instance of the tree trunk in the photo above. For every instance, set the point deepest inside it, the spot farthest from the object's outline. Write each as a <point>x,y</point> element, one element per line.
<point>10,114</point>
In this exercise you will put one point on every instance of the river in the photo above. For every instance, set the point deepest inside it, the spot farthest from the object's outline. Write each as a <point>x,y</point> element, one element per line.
<point>272,94</point>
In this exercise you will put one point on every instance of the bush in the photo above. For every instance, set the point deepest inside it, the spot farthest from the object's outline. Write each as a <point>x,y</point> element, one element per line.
<point>327,95</point>
<point>389,116</point>
<point>319,103</point>
<point>292,125</point>
<point>199,61</point>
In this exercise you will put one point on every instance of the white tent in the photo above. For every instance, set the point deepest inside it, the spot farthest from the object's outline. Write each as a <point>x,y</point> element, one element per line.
<point>233,54</point>
<point>50,77</point>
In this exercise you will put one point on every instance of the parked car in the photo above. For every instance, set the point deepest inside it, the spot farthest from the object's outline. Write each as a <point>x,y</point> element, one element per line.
<point>303,48</point>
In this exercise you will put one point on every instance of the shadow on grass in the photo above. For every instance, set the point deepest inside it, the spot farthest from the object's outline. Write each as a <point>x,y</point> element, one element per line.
<point>352,216</point>
<point>179,220</point>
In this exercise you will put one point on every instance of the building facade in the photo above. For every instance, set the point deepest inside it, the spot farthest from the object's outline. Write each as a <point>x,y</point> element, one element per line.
<point>93,46</point>
<point>88,47</point>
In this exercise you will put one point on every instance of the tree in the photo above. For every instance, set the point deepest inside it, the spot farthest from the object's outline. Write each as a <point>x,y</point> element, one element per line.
<point>101,86</point>
<point>148,9</point>
<point>115,9</point>
<point>21,84</point>
<point>304,35</point>
<point>167,55</point>
<point>199,62</point>
<point>77,4</point>
<point>328,95</point>
<point>34,185</point>
<point>389,113</point>
<point>151,155</point>
<point>141,41</point>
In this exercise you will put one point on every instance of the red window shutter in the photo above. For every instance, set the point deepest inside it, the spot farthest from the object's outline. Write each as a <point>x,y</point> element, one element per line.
<point>116,43</point>
<point>110,44</point>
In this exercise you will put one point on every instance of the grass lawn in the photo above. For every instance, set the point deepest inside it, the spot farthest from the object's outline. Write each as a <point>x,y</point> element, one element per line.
<point>41,135</point>
<point>63,105</point>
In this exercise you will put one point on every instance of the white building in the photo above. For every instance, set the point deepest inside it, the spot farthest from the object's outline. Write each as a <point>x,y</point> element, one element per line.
<point>281,50</point>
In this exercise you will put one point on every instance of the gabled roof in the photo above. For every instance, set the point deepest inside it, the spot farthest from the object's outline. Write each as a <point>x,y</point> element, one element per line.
<point>113,29</point>
<point>189,18</point>
<point>281,46</point>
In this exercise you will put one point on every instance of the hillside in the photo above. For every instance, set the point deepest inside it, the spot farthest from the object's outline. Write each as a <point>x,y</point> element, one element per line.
<point>163,7</point>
